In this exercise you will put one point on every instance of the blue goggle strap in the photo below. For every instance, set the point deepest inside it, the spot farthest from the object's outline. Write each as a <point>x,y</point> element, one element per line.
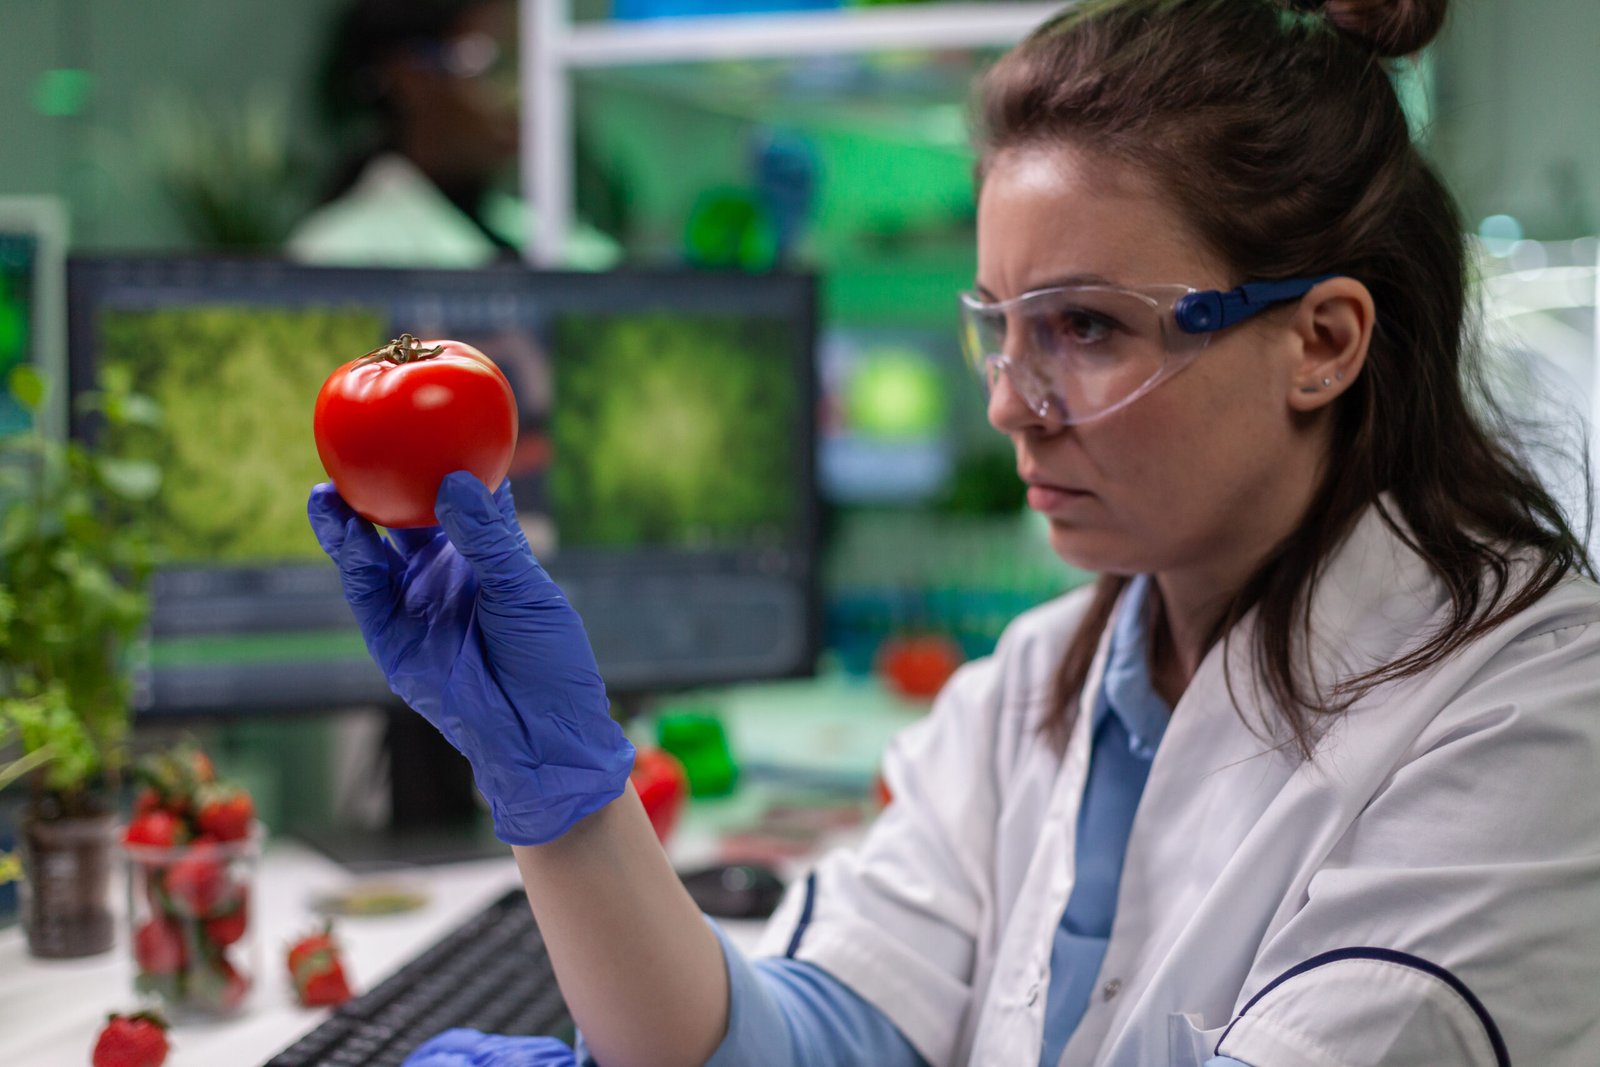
<point>1210,310</point>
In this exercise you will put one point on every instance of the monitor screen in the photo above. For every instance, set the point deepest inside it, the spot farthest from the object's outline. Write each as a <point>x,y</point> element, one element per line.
<point>32,250</point>
<point>663,469</point>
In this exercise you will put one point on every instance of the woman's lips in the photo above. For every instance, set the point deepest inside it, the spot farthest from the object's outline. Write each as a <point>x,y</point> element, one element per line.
<point>1045,497</point>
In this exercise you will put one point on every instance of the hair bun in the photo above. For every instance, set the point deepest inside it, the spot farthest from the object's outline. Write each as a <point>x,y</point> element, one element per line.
<point>1388,27</point>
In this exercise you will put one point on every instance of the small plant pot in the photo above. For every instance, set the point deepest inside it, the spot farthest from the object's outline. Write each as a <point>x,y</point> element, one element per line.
<point>66,885</point>
<point>191,925</point>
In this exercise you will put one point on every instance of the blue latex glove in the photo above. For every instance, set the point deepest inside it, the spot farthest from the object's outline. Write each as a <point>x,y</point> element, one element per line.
<point>472,633</point>
<point>469,1048</point>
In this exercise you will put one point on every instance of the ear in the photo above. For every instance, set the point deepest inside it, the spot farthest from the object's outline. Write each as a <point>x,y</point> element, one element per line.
<point>1333,326</point>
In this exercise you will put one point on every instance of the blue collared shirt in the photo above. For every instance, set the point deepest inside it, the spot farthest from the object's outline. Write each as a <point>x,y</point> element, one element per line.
<point>1128,720</point>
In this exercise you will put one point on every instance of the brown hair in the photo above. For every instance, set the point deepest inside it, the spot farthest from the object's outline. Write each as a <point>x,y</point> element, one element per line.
<point>1277,133</point>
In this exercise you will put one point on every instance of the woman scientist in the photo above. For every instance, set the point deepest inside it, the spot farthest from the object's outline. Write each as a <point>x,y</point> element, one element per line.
<point>1306,779</point>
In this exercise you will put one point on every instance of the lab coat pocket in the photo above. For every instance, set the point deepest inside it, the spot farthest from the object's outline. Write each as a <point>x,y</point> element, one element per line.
<point>1187,1044</point>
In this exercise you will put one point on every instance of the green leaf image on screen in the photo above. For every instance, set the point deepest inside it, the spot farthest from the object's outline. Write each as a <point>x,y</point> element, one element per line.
<point>673,431</point>
<point>236,388</point>
<point>14,312</point>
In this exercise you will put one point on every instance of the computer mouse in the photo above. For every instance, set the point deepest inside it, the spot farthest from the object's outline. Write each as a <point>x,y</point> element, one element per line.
<point>735,890</point>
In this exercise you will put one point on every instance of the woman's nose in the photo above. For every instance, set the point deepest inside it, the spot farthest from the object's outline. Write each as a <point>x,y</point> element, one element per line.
<point>1008,412</point>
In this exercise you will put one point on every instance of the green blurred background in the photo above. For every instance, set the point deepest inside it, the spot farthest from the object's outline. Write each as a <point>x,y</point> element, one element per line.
<point>115,107</point>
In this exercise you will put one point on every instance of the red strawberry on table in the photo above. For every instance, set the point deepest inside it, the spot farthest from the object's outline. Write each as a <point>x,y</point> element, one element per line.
<point>317,973</point>
<point>132,1041</point>
<point>325,989</point>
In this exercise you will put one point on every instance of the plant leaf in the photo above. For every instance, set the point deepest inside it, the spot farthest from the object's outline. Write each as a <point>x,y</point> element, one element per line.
<point>132,479</point>
<point>139,410</point>
<point>27,385</point>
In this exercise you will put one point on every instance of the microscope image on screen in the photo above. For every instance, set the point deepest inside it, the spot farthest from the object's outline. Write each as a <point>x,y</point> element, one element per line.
<point>667,433</point>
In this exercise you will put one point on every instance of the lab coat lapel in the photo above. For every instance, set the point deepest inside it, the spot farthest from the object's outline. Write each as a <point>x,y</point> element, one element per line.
<point>1041,817</point>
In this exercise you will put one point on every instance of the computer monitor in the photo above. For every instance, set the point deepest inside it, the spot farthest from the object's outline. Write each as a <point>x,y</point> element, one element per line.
<point>664,468</point>
<point>33,242</point>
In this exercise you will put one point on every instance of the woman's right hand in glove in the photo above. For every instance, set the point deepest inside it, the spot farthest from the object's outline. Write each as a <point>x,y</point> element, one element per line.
<point>471,632</point>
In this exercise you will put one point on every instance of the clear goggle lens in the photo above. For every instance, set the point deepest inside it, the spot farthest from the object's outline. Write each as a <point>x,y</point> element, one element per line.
<point>1076,353</point>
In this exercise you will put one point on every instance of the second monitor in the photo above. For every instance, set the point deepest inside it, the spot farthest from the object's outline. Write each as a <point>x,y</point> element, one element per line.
<point>663,469</point>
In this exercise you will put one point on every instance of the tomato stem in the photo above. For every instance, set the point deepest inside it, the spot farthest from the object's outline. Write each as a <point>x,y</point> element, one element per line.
<point>403,349</point>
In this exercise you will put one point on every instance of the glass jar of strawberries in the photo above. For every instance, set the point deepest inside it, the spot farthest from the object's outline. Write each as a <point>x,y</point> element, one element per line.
<point>192,848</point>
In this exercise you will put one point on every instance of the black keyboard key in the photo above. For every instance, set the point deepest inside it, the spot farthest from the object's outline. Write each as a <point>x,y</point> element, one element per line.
<point>371,1002</point>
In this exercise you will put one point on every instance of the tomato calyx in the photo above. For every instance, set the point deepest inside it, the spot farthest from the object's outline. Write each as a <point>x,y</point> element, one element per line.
<point>403,349</point>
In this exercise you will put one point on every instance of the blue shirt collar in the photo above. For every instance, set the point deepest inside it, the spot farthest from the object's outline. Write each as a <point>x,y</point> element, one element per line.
<point>1126,690</point>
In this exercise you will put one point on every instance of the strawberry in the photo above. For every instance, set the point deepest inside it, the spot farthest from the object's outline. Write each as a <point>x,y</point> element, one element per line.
<point>156,829</point>
<point>175,776</point>
<point>325,989</point>
<point>197,885</point>
<point>158,947</point>
<point>219,985</point>
<point>225,813</point>
<point>200,766</point>
<point>230,926</point>
<point>317,973</point>
<point>132,1041</point>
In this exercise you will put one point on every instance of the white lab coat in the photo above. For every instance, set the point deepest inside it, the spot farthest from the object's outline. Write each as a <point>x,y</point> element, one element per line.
<point>1430,881</point>
<point>393,215</point>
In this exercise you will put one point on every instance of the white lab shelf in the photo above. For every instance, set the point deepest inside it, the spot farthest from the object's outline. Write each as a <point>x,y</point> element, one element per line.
<point>553,48</point>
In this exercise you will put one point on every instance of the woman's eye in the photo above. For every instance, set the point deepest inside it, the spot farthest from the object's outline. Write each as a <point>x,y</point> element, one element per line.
<point>1081,327</point>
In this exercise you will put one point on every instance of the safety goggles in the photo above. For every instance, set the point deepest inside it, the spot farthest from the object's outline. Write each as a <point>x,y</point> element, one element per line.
<point>471,56</point>
<point>1079,352</point>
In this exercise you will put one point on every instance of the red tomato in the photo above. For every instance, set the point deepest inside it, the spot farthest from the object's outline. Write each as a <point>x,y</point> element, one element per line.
<point>662,786</point>
<point>880,791</point>
<point>917,666</point>
<point>392,424</point>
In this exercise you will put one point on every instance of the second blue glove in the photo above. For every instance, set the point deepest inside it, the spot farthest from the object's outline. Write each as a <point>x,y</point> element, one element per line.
<point>469,1048</point>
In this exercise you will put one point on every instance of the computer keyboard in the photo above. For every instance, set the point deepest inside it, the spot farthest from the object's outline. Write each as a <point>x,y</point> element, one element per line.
<point>491,973</point>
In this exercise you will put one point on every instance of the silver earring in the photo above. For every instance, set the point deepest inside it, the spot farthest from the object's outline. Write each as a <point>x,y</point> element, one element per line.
<point>1339,375</point>
<point>1327,382</point>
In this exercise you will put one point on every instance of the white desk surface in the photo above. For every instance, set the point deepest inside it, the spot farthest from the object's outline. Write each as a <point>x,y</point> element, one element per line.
<point>51,1011</point>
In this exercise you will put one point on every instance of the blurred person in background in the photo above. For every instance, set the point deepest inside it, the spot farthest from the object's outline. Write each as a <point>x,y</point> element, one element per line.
<point>422,97</point>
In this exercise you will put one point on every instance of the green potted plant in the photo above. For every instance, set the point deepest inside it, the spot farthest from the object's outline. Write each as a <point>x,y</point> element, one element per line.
<point>75,558</point>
